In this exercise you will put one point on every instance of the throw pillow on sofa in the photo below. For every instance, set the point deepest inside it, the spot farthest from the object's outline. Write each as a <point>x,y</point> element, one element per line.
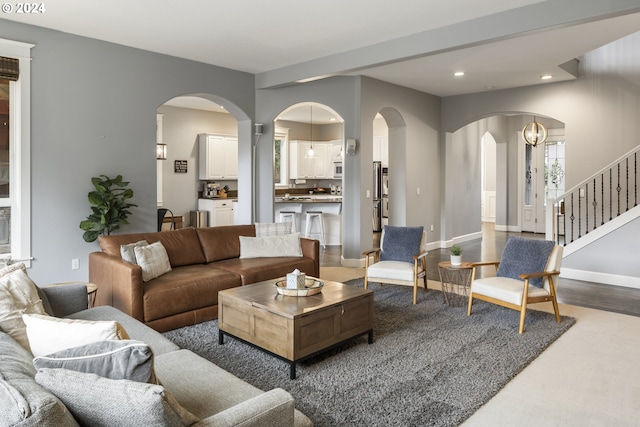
<point>127,252</point>
<point>153,259</point>
<point>48,334</point>
<point>18,296</point>
<point>97,401</point>
<point>114,359</point>
<point>287,245</point>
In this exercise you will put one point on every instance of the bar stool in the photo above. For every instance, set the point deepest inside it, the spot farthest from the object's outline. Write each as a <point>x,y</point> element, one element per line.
<point>311,215</point>
<point>289,216</point>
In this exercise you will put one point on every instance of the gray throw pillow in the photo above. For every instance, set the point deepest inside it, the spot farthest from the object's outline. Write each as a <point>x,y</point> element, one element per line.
<point>400,243</point>
<point>128,251</point>
<point>96,401</point>
<point>115,359</point>
<point>23,402</point>
<point>522,255</point>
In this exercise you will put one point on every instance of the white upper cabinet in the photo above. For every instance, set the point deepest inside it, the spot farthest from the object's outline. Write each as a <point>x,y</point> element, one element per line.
<point>218,157</point>
<point>301,166</point>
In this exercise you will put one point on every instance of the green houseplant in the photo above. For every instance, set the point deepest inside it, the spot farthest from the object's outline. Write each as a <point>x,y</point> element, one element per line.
<point>109,206</point>
<point>456,255</point>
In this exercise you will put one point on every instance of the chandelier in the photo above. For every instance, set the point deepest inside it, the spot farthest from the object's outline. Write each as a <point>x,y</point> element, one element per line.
<point>534,133</point>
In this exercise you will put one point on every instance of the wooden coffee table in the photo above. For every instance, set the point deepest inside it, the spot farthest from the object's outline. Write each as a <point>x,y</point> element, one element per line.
<point>295,328</point>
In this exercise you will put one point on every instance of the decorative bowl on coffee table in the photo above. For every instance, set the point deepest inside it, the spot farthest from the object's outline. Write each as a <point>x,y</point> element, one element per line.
<point>312,286</point>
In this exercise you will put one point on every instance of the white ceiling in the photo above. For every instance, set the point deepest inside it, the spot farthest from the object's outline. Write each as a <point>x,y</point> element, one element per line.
<point>414,43</point>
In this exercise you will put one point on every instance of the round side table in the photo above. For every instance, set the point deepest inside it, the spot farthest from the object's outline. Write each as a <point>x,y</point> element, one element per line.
<point>455,280</point>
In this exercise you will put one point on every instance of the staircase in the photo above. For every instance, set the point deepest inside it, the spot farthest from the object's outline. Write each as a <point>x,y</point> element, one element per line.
<point>596,201</point>
<point>593,219</point>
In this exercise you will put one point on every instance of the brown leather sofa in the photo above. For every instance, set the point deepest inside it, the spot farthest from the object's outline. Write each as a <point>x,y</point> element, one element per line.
<point>203,261</point>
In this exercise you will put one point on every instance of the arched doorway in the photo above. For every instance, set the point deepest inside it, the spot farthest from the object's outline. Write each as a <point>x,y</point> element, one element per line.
<point>308,150</point>
<point>180,180</point>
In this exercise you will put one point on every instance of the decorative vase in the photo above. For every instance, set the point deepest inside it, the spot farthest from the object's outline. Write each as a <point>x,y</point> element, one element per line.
<point>456,259</point>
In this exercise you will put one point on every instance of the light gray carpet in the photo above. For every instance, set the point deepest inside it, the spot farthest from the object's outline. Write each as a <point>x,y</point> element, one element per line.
<point>429,365</point>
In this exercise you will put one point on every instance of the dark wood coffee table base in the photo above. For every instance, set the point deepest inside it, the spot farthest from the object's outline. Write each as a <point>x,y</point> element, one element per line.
<point>295,328</point>
<point>292,363</point>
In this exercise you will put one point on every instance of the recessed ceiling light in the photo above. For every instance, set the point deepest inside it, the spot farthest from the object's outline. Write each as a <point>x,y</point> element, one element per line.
<point>332,119</point>
<point>489,87</point>
<point>546,76</point>
<point>459,73</point>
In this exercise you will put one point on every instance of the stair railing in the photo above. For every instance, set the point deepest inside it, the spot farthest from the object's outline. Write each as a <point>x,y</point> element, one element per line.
<point>605,195</point>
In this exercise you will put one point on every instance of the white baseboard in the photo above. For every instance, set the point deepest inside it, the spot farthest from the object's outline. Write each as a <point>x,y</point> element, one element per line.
<point>604,278</point>
<point>460,239</point>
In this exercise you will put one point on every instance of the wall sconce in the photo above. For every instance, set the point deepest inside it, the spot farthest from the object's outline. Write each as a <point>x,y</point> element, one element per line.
<point>161,151</point>
<point>534,133</point>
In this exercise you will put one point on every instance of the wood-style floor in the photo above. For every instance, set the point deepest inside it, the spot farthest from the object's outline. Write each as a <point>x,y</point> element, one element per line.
<point>617,299</point>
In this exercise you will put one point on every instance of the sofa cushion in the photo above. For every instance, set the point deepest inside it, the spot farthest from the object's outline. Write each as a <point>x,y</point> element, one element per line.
<point>128,253</point>
<point>183,246</point>
<point>98,401</point>
<point>185,289</point>
<point>22,400</point>
<point>18,295</point>
<point>49,334</point>
<point>135,329</point>
<point>287,245</point>
<point>254,270</point>
<point>153,260</point>
<point>115,359</point>
<point>220,243</point>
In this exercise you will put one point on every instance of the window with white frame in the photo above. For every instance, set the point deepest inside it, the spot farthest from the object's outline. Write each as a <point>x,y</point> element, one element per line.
<point>15,150</point>
<point>281,157</point>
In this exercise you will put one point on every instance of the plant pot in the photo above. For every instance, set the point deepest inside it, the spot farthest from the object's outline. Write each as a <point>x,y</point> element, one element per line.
<point>456,259</point>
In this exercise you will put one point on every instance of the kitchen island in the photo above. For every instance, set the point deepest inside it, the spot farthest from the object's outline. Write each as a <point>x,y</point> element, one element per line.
<point>329,204</point>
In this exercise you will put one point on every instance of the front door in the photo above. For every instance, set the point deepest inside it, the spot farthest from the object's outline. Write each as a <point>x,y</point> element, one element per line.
<point>543,179</point>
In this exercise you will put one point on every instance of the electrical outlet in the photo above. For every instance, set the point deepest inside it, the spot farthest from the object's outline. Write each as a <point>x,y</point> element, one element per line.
<point>418,191</point>
<point>75,264</point>
<point>432,227</point>
<point>368,194</point>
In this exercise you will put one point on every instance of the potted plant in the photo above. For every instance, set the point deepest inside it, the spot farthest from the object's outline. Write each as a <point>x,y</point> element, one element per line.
<point>456,255</point>
<point>109,207</point>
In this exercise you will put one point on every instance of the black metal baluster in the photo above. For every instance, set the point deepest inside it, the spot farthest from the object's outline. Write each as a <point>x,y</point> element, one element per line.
<point>586,209</point>
<point>627,178</point>
<point>618,189</point>
<point>595,205</point>
<point>579,215</point>
<point>610,194</point>
<point>572,218</point>
<point>602,196</point>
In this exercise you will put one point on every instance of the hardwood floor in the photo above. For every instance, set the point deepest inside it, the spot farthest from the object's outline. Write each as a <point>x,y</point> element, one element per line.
<point>617,299</point>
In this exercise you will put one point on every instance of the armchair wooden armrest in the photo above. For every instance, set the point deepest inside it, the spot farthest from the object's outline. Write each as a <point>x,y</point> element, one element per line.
<point>420,255</point>
<point>485,263</point>
<point>368,254</point>
<point>539,274</point>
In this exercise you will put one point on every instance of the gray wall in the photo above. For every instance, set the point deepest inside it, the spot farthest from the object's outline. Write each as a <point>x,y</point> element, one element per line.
<point>599,110</point>
<point>93,111</point>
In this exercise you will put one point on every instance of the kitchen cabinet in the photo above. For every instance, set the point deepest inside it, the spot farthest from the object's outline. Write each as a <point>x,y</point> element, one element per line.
<point>303,167</point>
<point>336,151</point>
<point>219,211</point>
<point>218,157</point>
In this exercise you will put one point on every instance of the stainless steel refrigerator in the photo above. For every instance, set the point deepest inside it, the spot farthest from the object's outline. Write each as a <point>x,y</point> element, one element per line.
<point>377,196</point>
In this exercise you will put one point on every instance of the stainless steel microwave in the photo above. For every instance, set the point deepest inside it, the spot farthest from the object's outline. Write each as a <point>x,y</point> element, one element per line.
<point>337,169</point>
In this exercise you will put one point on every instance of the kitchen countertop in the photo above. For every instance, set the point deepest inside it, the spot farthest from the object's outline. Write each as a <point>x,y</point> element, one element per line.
<point>310,199</point>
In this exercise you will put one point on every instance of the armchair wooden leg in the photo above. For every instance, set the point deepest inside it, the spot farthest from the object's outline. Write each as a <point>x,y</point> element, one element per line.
<point>554,300</point>
<point>415,291</point>
<point>366,282</point>
<point>523,313</point>
<point>470,304</point>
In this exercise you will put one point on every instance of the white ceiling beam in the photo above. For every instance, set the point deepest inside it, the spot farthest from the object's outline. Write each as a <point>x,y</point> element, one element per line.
<point>542,16</point>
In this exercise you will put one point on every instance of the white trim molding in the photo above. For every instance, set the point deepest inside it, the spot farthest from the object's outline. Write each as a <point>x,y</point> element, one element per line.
<point>597,277</point>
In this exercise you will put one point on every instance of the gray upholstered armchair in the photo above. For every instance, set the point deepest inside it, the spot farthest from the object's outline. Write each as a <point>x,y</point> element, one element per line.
<point>525,275</point>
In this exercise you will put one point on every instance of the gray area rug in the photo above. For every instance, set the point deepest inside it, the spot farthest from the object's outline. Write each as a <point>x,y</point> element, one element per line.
<point>429,365</point>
